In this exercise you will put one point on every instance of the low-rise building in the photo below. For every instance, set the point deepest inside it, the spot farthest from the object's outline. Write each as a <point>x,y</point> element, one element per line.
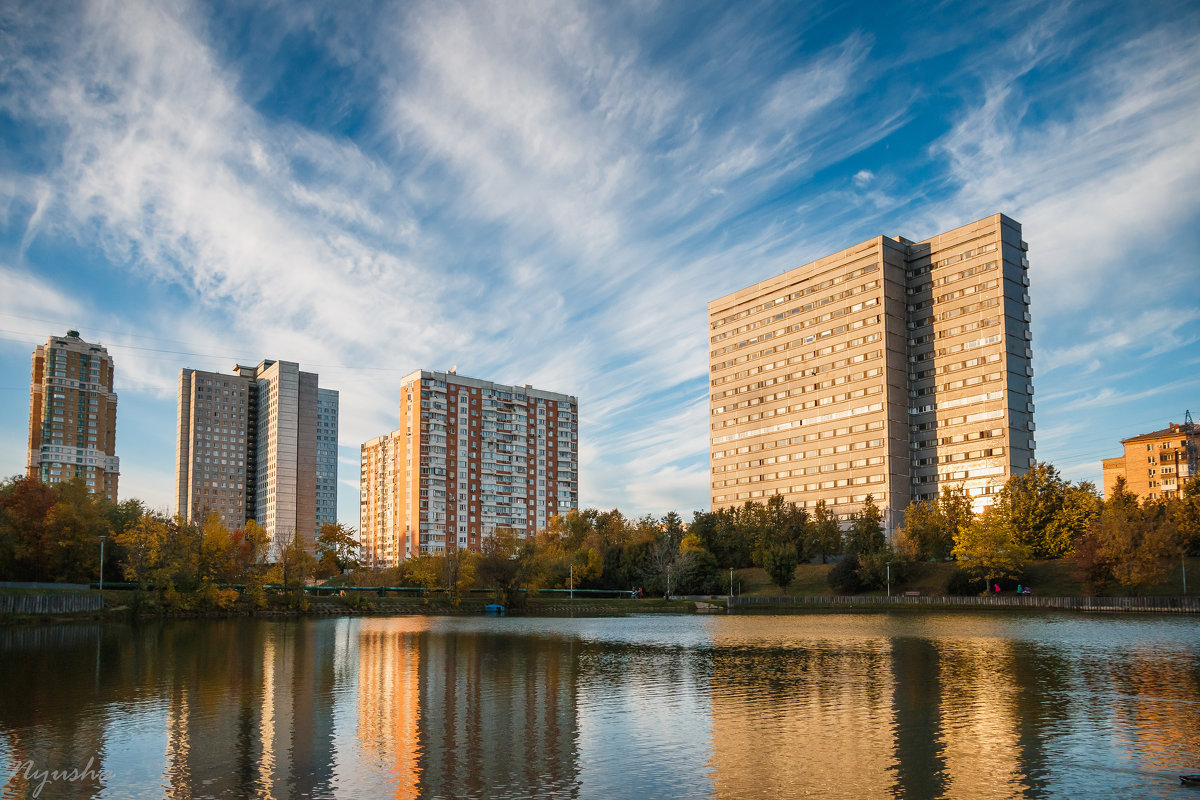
<point>1154,465</point>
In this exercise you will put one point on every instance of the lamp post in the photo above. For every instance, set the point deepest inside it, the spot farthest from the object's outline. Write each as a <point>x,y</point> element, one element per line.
<point>731,581</point>
<point>102,538</point>
<point>889,578</point>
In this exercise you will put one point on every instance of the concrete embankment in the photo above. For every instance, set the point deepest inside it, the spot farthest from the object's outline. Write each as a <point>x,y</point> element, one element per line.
<point>1157,605</point>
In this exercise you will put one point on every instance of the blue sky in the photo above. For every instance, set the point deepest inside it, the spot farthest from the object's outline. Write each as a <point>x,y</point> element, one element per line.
<point>551,192</point>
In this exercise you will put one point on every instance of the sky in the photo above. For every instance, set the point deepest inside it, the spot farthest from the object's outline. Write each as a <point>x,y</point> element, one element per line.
<point>551,193</point>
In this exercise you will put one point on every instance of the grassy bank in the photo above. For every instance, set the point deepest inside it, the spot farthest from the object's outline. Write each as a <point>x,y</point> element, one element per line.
<point>1057,578</point>
<point>123,605</point>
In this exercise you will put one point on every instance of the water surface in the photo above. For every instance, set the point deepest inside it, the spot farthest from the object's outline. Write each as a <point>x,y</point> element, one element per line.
<point>912,705</point>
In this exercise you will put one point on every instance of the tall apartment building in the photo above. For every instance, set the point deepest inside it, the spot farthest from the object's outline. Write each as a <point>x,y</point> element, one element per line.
<point>1154,465</point>
<point>891,368</point>
<point>470,456</point>
<point>73,415</point>
<point>259,444</point>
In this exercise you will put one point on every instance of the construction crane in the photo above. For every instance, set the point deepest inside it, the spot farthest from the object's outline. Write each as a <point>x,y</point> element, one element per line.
<point>1191,444</point>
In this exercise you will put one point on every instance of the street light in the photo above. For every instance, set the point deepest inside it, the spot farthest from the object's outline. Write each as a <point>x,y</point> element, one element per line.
<point>889,578</point>
<point>102,538</point>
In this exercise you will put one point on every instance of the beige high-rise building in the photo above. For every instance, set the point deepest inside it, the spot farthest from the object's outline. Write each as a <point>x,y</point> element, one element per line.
<point>470,456</point>
<point>891,369</point>
<point>380,529</point>
<point>73,415</point>
<point>260,444</point>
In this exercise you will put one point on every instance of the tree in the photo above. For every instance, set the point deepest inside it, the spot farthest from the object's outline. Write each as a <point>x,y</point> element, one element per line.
<point>1127,543</point>
<point>989,548</point>
<point>695,571</point>
<point>217,558</point>
<point>143,544</point>
<point>337,546</point>
<point>295,563</point>
<point>506,563</point>
<point>1185,511</point>
<point>930,525</point>
<point>250,544</point>
<point>74,525</point>
<point>866,529</point>
<point>780,560</point>
<point>25,541</point>
<point>825,532</point>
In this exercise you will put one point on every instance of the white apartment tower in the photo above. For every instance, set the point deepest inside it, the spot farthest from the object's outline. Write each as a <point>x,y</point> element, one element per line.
<point>470,456</point>
<point>260,444</point>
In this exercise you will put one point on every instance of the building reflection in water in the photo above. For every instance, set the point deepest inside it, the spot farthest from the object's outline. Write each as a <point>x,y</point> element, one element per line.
<point>979,722</point>
<point>389,700</point>
<point>497,714</point>
<point>250,709</point>
<point>813,715</point>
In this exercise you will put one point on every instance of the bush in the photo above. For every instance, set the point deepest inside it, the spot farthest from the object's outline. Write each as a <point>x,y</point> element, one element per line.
<point>211,598</point>
<point>843,577</point>
<point>357,601</point>
<point>962,584</point>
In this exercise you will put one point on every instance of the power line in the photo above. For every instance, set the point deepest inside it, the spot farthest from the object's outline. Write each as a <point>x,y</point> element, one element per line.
<point>23,337</point>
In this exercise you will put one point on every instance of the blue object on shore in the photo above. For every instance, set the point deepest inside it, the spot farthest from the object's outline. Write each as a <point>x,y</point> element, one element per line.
<point>493,608</point>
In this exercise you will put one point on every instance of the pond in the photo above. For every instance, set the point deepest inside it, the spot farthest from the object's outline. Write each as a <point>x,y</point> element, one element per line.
<point>914,705</point>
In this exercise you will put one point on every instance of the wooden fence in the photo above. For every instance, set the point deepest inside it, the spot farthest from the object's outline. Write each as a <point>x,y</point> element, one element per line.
<point>1176,605</point>
<point>55,603</point>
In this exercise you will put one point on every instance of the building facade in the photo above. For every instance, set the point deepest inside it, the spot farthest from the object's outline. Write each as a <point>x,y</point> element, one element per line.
<point>890,369</point>
<point>73,415</point>
<point>470,456</point>
<point>1154,465</point>
<point>259,444</point>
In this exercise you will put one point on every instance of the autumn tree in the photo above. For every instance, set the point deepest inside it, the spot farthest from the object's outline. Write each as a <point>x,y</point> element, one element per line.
<point>506,563</point>
<point>337,547</point>
<point>989,548</point>
<point>143,544</point>
<point>26,541</point>
<point>1127,542</point>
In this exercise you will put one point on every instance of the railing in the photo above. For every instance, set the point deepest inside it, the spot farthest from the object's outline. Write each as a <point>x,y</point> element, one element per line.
<point>56,603</point>
<point>1182,605</point>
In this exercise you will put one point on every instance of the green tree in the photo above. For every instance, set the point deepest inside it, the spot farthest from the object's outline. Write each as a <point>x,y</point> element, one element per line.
<point>695,570</point>
<point>1185,511</point>
<point>866,529</point>
<point>989,548</point>
<point>780,561</point>
<point>930,525</point>
<point>1032,504</point>
<point>826,533</point>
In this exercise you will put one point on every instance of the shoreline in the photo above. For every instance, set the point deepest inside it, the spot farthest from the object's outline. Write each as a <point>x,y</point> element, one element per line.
<point>116,611</point>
